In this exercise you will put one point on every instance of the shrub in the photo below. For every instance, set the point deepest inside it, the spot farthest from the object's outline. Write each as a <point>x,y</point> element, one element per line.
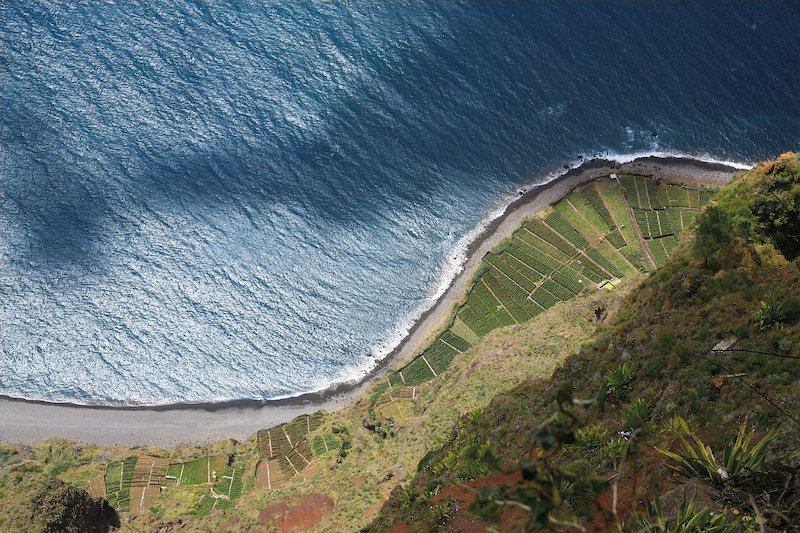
<point>785,344</point>
<point>676,425</point>
<point>655,367</point>
<point>612,450</point>
<point>590,437</point>
<point>665,341</point>
<point>792,309</point>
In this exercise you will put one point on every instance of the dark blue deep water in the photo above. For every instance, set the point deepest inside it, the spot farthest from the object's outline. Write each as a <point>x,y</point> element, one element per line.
<point>216,201</point>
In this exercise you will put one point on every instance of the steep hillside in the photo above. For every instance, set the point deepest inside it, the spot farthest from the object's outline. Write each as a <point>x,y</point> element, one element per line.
<point>706,347</point>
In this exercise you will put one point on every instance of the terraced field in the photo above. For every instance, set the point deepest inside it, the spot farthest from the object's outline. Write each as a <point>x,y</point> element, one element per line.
<point>224,492</point>
<point>662,211</point>
<point>286,447</point>
<point>118,478</point>
<point>149,475</point>
<point>198,471</point>
<point>603,231</point>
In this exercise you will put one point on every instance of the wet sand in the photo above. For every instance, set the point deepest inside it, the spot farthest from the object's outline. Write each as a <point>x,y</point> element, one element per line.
<point>28,421</point>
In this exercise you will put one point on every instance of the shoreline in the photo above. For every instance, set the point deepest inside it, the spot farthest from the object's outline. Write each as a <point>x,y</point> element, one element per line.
<point>23,420</point>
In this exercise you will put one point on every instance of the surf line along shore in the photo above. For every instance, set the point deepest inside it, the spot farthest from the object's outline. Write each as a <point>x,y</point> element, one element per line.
<point>24,421</point>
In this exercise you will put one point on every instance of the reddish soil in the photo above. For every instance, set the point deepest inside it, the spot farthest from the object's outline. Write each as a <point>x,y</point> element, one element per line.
<point>466,492</point>
<point>511,518</point>
<point>467,524</point>
<point>300,516</point>
<point>400,527</point>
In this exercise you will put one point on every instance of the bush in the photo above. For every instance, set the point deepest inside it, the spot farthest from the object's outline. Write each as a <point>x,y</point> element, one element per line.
<point>612,450</point>
<point>590,437</point>
<point>665,341</point>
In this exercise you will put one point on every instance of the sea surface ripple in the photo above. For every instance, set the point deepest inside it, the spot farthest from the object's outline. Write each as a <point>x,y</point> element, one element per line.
<point>215,201</point>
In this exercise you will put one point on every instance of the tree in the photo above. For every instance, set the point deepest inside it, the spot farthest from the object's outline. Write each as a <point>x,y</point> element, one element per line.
<point>713,232</point>
<point>59,507</point>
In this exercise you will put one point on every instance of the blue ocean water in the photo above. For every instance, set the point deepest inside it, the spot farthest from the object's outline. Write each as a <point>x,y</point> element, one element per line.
<point>215,201</point>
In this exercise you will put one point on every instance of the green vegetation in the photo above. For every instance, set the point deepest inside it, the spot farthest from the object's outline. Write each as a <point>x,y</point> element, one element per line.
<point>224,493</point>
<point>738,460</point>
<point>584,452</point>
<point>197,472</point>
<point>689,519</point>
<point>713,233</point>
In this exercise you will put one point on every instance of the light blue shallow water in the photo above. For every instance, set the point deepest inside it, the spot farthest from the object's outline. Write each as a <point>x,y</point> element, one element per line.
<point>214,202</point>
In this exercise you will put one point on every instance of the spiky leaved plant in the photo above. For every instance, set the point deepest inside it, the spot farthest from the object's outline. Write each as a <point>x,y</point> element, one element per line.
<point>770,315</point>
<point>689,519</point>
<point>618,379</point>
<point>636,414</point>
<point>697,460</point>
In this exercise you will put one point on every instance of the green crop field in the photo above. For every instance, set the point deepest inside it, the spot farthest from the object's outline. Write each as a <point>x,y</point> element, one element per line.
<point>118,478</point>
<point>322,444</point>
<point>198,471</point>
<point>581,215</point>
<point>611,194</point>
<point>680,218</point>
<point>661,212</point>
<point>586,239</point>
<point>226,490</point>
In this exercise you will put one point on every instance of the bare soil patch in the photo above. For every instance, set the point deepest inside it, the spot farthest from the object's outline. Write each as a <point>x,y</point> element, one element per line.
<point>300,516</point>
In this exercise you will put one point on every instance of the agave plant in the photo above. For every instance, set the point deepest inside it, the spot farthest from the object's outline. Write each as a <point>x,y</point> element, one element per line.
<point>618,379</point>
<point>738,459</point>
<point>636,414</point>
<point>689,519</point>
<point>770,315</point>
<point>613,450</point>
<point>590,437</point>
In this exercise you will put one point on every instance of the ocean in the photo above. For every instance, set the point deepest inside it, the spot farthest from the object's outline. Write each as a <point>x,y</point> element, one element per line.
<point>204,202</point>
